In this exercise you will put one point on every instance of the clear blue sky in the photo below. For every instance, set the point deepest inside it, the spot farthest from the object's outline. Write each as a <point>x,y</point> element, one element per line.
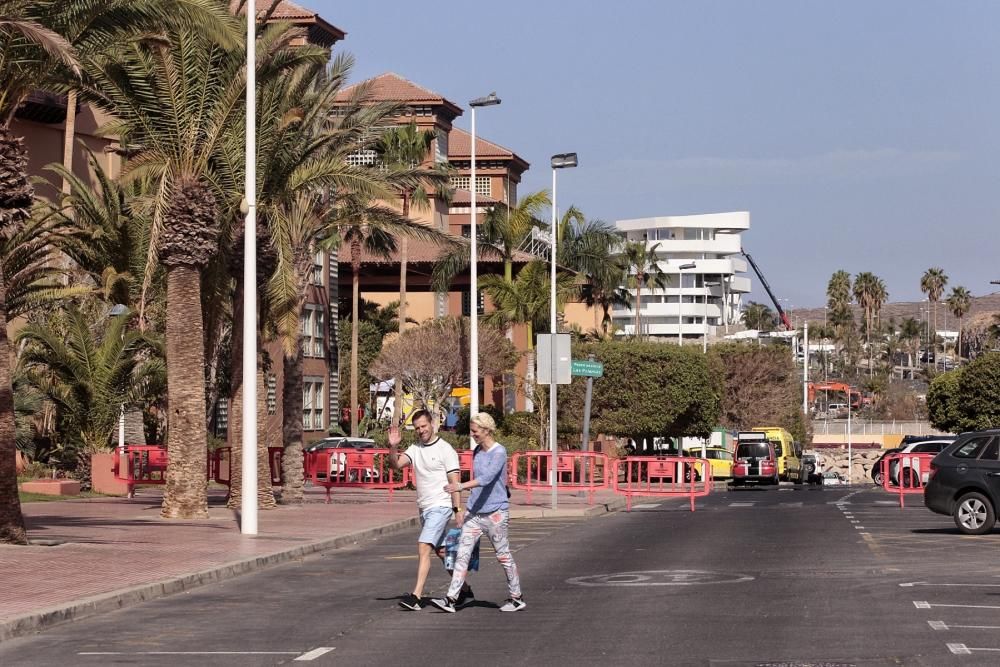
<point>860,135</point>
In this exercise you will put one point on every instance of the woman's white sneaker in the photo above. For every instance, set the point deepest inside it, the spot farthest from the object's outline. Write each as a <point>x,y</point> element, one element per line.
<point>513,604</point>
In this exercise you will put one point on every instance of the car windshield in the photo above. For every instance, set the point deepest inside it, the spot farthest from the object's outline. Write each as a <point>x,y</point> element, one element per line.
<point>747,450</point>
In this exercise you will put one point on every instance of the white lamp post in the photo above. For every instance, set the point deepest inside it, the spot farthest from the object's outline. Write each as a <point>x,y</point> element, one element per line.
<point>559,161</point>
<point>489,100</point>
<point>680,316</point>
<point>248,500</point>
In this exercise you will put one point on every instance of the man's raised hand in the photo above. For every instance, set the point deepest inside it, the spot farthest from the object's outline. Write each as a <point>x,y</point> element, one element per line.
<point>394,436</point>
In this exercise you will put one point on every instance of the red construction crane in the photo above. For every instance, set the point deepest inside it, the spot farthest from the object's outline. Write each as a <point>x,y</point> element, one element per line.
<point>767,288</point>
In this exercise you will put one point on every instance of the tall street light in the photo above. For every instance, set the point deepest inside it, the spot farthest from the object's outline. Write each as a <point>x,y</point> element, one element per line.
<point>488,101</point>
<point>559,161</point>
<point>248,501</point>
<point>680,305</point>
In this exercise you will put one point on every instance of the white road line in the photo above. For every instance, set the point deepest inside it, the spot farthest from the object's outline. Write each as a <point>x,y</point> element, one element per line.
<point>188,653</point>
<point>855,521</point>
<point>937,625</point>
<point>798,504</point>
<point>886,502</point>
<point>911,584</point>
<point>941,625</point>
<point>646,506</point>
<point>959,649</point>
<point>315,653</point>
<point>859,528</point>
<point>741,504</point>
<point>927,605</point>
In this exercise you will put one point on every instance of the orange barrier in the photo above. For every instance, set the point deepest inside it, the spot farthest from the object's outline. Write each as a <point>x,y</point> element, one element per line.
<point>354,468</point>
<point>912,472</point>
<point>465,464</point>
<point>575,471</point>
<point>141,464</point>
<point>671,476</point>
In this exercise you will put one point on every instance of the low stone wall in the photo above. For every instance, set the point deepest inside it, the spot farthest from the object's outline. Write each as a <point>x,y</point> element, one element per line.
<point>835,459</point>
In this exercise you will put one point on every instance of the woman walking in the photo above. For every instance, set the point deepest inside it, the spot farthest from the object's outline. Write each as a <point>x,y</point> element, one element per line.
<point>488,513</point>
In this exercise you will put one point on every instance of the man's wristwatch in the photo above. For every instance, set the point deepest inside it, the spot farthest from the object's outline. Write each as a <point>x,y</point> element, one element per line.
<point>456,510</point>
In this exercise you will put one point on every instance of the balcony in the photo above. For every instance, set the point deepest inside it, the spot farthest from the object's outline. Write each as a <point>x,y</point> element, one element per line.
<point>44,107</point>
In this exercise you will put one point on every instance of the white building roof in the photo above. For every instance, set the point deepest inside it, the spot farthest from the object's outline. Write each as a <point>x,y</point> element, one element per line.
<point>736,221</point>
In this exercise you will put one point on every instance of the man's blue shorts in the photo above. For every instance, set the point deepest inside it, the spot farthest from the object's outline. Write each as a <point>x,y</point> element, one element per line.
<point>434,522</point>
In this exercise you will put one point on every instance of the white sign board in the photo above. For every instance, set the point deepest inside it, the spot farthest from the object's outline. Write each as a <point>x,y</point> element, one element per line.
<point>543,357</point>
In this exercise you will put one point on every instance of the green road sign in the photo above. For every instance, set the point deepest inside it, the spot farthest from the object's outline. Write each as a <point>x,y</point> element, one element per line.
<point>594,369</point>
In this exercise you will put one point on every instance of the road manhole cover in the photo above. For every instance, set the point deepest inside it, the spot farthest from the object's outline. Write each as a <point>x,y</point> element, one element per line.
<point>660,578</point>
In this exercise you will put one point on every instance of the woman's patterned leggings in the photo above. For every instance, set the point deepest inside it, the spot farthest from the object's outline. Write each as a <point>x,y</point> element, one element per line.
<point>495,527</point>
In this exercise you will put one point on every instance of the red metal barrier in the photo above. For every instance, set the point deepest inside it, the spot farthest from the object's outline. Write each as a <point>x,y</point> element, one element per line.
<point>671,476</point>
<point>575,471</point>
<point>221,465</point>
<point>354,468</point>
<point>141,464</point>
<point>912,472</point>
<point>465,465</point>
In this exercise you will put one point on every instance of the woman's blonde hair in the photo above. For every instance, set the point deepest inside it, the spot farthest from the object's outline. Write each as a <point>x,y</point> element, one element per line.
<point>484,421</point>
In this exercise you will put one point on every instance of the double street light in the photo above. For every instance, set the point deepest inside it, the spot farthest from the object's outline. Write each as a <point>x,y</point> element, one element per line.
<point>559,161</point>
<point>489,100</point>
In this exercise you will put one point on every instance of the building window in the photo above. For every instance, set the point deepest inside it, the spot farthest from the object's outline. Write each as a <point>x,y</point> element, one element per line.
<point>441,149</point>
<point>363,158</point>
<point>312,331</point>
<point>467,231</point>
<point>272,393</point>
<point>312,404</point>
<point>483,185</point>
<point>221,417</point>
<point>465,303</point>
<point>460,182</point>
<point>317,272</point>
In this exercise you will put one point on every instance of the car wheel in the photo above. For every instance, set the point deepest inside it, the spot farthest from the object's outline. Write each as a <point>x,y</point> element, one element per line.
<point>974,514</point>
<point>878,478</point>
<point>909,479</point>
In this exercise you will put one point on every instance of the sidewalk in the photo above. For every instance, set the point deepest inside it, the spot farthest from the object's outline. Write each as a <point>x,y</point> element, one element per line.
<point>91,556</point>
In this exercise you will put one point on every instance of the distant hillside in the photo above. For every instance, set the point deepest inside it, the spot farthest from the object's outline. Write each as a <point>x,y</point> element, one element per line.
<point>899,311</point>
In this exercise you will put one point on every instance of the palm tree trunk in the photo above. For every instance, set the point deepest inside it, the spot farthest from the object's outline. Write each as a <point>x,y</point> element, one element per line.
<point>355,321</point>
<point>234,434</point>
<point>638,312</point>
<point>292,479</point>
<point>12,529</point>
<point>69,135</point>
<point>265,492</point>
<point>186,493</point>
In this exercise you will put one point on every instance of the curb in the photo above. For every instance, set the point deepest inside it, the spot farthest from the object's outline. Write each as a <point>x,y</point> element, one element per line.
<point>43,619</point>
<point>105,602</point>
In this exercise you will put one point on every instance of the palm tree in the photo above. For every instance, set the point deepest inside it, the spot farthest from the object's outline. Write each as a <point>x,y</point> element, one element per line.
<point>959,302</point>
<point>643,270</point>
<point>758,316</point>
<point>870,292</point>
<point>405,146</point>
<point>932,283</point>
<point>88,375</point>
<point>910,331</point>
<point>525,300</point>
<point>368,227</point>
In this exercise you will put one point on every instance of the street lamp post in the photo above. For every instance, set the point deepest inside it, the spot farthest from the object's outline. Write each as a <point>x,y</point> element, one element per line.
<point>680,290</point>
<point>248,499</point>
<point>559,161</point>
<point>489,100</point>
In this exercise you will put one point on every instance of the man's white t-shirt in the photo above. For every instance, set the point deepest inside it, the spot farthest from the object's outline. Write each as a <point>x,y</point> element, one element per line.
<point>431,464</point>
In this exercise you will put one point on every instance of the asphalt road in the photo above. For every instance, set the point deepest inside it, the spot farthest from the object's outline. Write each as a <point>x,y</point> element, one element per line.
<point>776,577</point>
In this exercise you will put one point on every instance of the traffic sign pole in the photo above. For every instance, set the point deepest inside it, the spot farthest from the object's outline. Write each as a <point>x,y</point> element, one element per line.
<point>586,410</point>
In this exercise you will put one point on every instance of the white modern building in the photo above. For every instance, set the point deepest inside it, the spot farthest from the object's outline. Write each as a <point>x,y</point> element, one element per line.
<point>701,257</point>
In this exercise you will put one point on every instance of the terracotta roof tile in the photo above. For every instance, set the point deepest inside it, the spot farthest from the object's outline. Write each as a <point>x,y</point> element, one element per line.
<point>391,87</point>
<point>293,12</point>
<point>460,146</point>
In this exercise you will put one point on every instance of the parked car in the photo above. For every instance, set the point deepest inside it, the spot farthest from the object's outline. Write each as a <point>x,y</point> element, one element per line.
<point>831,478</point>
<point>965,481</point>
<point>877,467</point>
<point>755,460</point>
<point>810,468</point>
<point>909,476</point>
<point>719,458</point>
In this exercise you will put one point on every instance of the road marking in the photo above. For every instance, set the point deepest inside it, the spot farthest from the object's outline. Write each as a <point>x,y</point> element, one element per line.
<point>798,504</point>
<point>646,506</point>
<point>927,605</point>
<point>188,653</point>
<point>855,521</point>
<point>660,578</point>
<point>886,502</point>
<point>859,528</point>
<point>910,584</point>
<point>315,653</point>
<point>741,504</point>
<point>959,649</point>
<point>937,625</point>
<point>941,625</point>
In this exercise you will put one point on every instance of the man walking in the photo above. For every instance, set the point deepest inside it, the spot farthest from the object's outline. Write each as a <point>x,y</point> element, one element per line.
<point>435,464</point>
